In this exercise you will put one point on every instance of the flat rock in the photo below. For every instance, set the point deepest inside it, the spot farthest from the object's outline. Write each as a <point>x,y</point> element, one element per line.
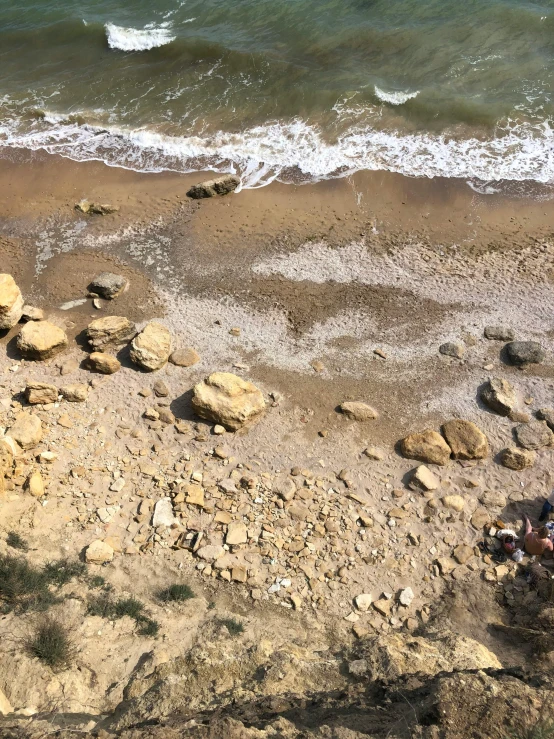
<point>228,400</point>
<point>358,411</point>
<point>423,479</point>
<point>499,333</point>
<point>97,209</point>
<point>41,393</point>
<point>151,348</point>
<point>108,285</point>
<point>373,453</point>
<point>363,601</point>
<point>99,552</point>
<point>450,349</point>
<point>534,435</point>
<point>41,340</point>
<point>236,533</point>
<point>525,352</point>
<point>463,553</point>
<point>186,357</point>
<point>210,552</point>
<point>445,565</point>
<point>517,459</point>
<point>104,363</point>
<point>480,518</point>
<point>454,502</point>
<point>27,430</point>
<point>160,389</point>
<point>492,499</point>
<point>110,331</point>
<point>427,446</point>
<point>217,186</point>
<point>163,513</point>
<point>11,302</point>
<point>284,487</point>
<point>466,440</point>
<point>76,393</point>
<point>547,414</point>
<point>30,313</point>
<point>499,395</point>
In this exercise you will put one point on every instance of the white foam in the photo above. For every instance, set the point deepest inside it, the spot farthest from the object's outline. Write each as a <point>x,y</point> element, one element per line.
<point>133,39</point>
<point>395,98</point>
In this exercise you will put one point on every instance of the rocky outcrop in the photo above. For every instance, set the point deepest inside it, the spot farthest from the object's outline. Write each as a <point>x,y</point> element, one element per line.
<point>499,395</point>
<point>108,285</point>
<point>525,352</point>
<point>358,411</point>
<point>110,331</point>
<point>427,446</point>
<point>11,302</point>
<point>150,350</point>
<point>218,186</point>
<point>41,340</point>
<point>534,435</point>
<point>228,400</point>
<point>466,440</point>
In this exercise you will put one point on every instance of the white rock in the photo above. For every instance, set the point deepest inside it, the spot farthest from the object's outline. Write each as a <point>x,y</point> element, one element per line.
<point>406,597</point>
<point>363,601</point>
<point>163,513</point>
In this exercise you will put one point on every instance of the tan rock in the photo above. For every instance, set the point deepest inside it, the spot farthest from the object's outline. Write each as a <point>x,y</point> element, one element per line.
<point>195,495</point>
<point>5,705</point>
<point>427,446</point>
<point>463,553</point>
<point>27,430</point>
<point>74,393</point>
<point>210,552</point>
<point>186,357</point>
<point>8,452</point>
<point>150,350</point>
<point>35,484</point>
<point>41,340</point>
<point>445,565</point>
<point>493,499</point>
<point>534,435</point>
<point>110,331</point>
<point>499,395</point>
<point>363,601</point>
<point>227,399</point>
<point>423,479</point>
<point>454,502</point>
<point>517,459</point>
<point>99,552</point>
<point>383,607</point>
<point>41,393</point>
<point>30,313</point>
<point>357,411</point>
<point>284,487</point>
<point>236,533</point>
<point>465,439</point>
<point>11,302</point>
<point>106,364</point>
<point>480,518</point>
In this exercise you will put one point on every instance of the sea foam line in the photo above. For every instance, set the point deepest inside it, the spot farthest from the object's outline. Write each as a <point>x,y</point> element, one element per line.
<point>133,39</point>
<point>395,98</point>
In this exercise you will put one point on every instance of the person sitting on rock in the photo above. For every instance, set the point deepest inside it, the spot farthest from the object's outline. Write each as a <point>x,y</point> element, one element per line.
<point>537,542</point>
<point>547,507</point>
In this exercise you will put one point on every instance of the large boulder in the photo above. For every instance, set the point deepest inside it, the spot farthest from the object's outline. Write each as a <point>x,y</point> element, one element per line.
<point>109,285</point>
<point>27,430</point>
<point>499,395</point>
<point>41,392</point>
<point>41,340</point>
<point>466,440</point>
<point>525,352</point>
<point>228,400</point>
<point>218,186</point>
<point>427,446</point>
<point>11,302</point>
<point>358,411</point>
<point>110,330</point>
<point>517,459</point>
<point>152,347</point>
<point>534,435</point>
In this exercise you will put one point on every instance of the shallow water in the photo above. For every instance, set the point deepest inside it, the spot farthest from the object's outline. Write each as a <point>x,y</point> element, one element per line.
<point>294,89</point>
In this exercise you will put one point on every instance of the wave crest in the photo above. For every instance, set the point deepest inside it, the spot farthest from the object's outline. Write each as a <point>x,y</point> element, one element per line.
<point>395,98</point>
<point>133,39</point>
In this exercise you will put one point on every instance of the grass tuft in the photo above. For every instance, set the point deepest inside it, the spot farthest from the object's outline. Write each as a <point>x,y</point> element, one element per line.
<point>233,626</point>
<point>148,626</point>
<point>22,586</point>
<point>97,581</point>
<point>176,593</point>
<point>128,607</point>
<point>16,541</point>
<point>62,571</point>
<point>102,605</point>
<point>51,643</point>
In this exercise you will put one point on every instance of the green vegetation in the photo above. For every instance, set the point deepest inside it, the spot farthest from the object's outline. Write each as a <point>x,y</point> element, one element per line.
<point>176,593</point>
<point>16,541</point>
<point>148,626</point>
<point>63,571</point>
<point>23,587</point>
<point>103,605</point>
<point>51,643</point>
<point>97,581</point>
<point>233,626</point>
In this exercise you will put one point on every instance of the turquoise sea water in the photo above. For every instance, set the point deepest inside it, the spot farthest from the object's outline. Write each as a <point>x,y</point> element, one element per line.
<point>290,89</point>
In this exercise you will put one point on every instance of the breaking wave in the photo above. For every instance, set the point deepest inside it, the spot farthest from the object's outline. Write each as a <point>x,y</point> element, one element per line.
<point>395,98</point>
<point>133,39</point>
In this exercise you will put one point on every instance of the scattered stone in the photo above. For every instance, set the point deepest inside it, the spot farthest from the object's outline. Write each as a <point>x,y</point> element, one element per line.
<point>454,502</point>
<point>480,518</point>
<point>547,414</point>
<point>423,479</point>
<point>317,366</point>
<point>41,393</point>
<point>406,597</point>
<point>218,429</point>
<point>27,430</point>
<point>525,352</point>
<point>109,285</point>
<point>373,453</point>
<point>150,350</point>
<point>284,487</point>
<point>519,416</point>
<point>41,340</point>
<point>104,363</point>
<point>236,533</point>
<point>357,411</point>
<point>195,495</point>
<point>492,499</point>
<point>427,446</point>
<point>363,601</point>
<point>211,188</point>
<point>35,485</point>
<point>99,552</point>
<point>463,553</point>
<point>228,400</point>
<point>534,435</point>
<point>30,313</point>
<point>517,459</point>
<point>499,395</point>
<point>184,357</point>
<point>160,389</point>
<point>11,302</point>
<point>383,607</point>
<point>110,331</point>
<point>466,440</point>
<point>445,565</point>
<point>97,209</point>
<point>452,350</point>
<point>210,552</point>
<point>65,421</point>
<point>68,366</point>
<point>499,333</point>
<point>163,513</point>
<point>74,393</point>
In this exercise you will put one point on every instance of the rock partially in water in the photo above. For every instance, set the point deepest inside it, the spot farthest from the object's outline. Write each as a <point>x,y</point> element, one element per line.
<point>218,186</point>
<point>109,285</point>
